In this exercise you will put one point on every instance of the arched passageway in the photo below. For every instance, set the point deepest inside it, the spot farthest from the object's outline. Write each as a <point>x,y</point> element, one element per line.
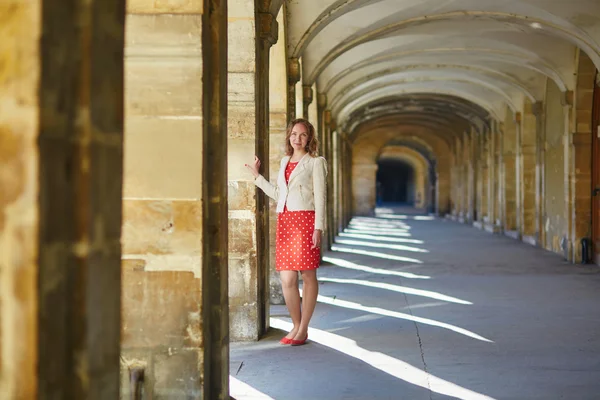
<point>396,183</point>
<point>131,236</point>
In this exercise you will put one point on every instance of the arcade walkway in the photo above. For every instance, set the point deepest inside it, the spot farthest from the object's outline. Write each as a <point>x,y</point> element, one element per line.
<point>418,308</point>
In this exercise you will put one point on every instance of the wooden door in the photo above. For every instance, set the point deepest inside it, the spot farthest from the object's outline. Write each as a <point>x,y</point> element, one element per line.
<point>596,174</point>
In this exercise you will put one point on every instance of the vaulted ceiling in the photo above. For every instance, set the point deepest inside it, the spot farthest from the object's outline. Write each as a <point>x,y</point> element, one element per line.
<point>438,62</point>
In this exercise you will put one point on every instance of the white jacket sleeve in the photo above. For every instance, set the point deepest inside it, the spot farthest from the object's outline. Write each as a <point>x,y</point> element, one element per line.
<point>270,190</point>
<point>320,191</point>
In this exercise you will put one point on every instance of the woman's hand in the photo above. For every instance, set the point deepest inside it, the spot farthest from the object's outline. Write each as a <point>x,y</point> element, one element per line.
<point>316,239</point>
<point>254,167</point>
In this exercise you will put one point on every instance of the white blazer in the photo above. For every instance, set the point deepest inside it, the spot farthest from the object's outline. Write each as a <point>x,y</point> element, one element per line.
<point>306,189</point>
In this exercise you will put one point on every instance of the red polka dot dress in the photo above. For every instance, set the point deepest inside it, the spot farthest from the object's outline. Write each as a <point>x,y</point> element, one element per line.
<point>294,237</point>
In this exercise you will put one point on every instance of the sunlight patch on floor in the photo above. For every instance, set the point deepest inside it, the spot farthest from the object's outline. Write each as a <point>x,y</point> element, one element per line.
<point>376,254</point>
<point>398,289</point>
<point>381,245</point>
<point>385,363</point>
<point>242,391</point>
<point>381,238</point>
<point>350,265</point>
<point>394,314</point>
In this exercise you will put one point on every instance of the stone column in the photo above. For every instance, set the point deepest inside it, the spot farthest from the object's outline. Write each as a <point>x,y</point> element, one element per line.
<point>332,181</point>
<point>580,159</point>
<point>20,209</point>
<point>510,173</point>
<point>462,177</point>
<point>215,268</point>
<point>491,178</point>
<point>293,73</point>
<point>350,176</point>
<point>527,176</point>
<point>471,173</point>
<point>346,173</point>
<point>483,178</point>
<point>61,146</point>
<point>454,186</point>
<point>538,111</point>
<point>443,184</point>
<point>320,124</point>
<point>307,98</point>
<point>327,153</point>
<point>162,216</point>
<point>498,178</point>
<point>278,98</point>
<point>248,132</point>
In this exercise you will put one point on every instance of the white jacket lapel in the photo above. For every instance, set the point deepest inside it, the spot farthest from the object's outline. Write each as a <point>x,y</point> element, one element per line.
<point>301,165</point>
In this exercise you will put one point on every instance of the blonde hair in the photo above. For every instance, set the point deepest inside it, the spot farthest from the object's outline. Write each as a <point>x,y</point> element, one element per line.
<point>313,142</point>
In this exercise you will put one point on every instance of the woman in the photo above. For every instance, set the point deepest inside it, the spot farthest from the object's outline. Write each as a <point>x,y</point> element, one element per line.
<point>300,195</point>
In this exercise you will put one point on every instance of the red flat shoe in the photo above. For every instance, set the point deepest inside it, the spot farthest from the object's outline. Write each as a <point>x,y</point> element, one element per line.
<point>295,342</point>
<point>285,341</point>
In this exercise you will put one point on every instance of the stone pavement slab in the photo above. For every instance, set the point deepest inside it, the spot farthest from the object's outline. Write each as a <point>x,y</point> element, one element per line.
<point>417,308</point>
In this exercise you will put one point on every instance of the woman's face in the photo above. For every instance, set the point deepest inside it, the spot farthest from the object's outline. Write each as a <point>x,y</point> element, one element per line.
<point>299,137</point>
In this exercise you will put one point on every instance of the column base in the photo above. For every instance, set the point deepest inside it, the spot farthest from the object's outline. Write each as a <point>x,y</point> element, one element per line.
<point>530,240</point>
<point>478,225</point>
<point>513,234</point>
<point>492,228</point>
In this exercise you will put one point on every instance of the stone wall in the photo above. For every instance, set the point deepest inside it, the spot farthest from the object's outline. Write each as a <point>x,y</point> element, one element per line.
<point>162,209</point>
<point>554,220</point>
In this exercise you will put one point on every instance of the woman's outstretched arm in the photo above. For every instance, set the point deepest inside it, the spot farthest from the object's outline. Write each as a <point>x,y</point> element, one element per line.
<point>270,190</point>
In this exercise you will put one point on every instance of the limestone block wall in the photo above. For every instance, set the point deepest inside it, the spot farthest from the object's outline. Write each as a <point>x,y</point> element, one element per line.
<point>554,219</point>
<point>162,210</point>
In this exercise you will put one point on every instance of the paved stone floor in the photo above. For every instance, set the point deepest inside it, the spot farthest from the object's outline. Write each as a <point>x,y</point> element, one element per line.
<point>418,308</point>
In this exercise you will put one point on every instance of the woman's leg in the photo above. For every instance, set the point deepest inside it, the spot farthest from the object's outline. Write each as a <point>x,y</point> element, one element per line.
<point>310,291</point>
<point>291,294</point>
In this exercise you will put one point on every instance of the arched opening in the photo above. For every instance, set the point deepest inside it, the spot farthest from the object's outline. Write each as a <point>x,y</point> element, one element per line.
<point>396,183</point>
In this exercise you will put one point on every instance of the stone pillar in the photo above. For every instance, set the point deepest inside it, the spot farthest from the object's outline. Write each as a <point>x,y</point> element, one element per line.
<point>454,187</point>
<point>320,122</point>
<point>538,111</point>
<point>215,267</point>
<point>346,179</point>
<point>278,98</point>
<point>510,173</point>
<point>482,183</point>
<point>351,205</point>
<point>363,196</point>
<point>462,182</point>
<point>527,176</point>
<point>61,146</point>
<point>443,184</point>
<point>162,216</point>
<point>20,211</point>
<point>248,131</point>
<point>465,176</point>
<point>328,154</point>
<point>491,179</point>
<point>498,177</point>
<point>581,155</point>
<point>471,173</point>
<point>335,168</point>
<point>307,98</point>
<point>293,74</point>
<point>332,163</point>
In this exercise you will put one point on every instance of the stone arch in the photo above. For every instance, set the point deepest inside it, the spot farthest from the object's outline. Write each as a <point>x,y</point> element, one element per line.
<point>376,134</point>
<point>420,165</point>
